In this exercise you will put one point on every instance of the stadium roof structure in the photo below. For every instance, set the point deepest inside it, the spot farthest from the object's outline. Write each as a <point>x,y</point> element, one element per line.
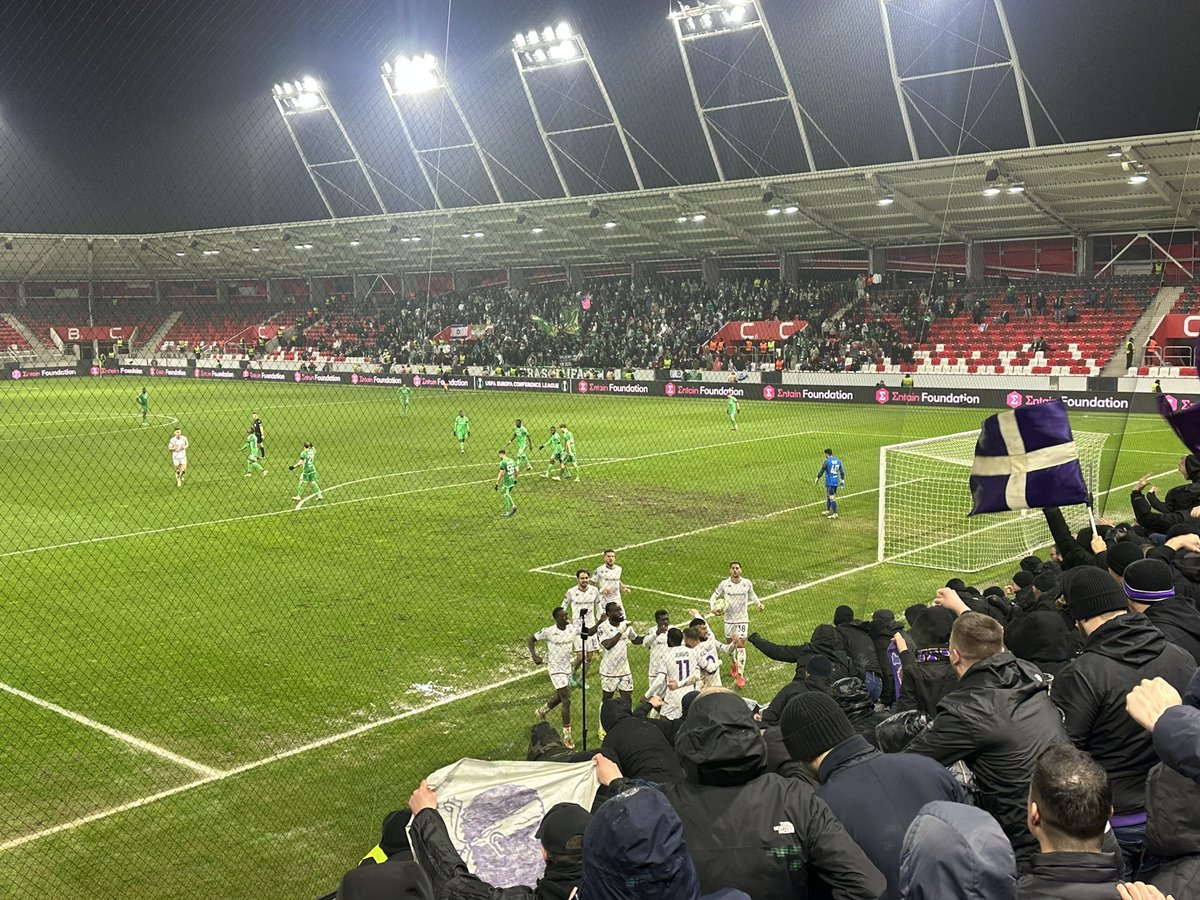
<point>1098,187</point>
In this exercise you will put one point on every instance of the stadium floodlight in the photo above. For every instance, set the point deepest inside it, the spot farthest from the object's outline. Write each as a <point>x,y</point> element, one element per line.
<point>991,191</point>
<point>307,98</point>
<point>355,242</point>
<point>1114,153</point>
<point>885,200</point>
<point>519,41</point>
<point>408,76</point>
<point>1017,187</point>
<point>1138,177</point>
<point>702,32</point>
<point>181,253</point>
<point>256,249</point>
<point>536,229</point>
<point>681,219</point>
<point>610,224</point>
<point>537,58</point>
<point>774,211</point>
<point>906,33</point>
<point>790,210</point>
<point>699,217</point>
<point>477,234</point>
<point>414,74</point>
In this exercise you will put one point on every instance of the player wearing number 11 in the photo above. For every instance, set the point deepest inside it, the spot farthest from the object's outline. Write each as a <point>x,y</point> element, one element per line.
<point>835,475</point>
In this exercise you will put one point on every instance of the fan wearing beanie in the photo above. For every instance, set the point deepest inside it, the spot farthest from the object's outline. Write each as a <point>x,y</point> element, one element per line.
<point>1120,649</point>
<point>874,795</point>
<point>1120,555</point>
<point>1151,590</point>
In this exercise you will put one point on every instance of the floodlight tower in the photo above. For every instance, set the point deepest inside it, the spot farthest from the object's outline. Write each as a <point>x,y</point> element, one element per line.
<point>563,48</point>
<point>410,76</point>
<point>306,99</point>
<point>986,44</point>
<point>707,23</point>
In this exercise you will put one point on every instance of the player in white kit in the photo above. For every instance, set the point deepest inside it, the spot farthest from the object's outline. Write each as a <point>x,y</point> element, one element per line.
<point>582,603</point>
<point>655,640</point>
<point>615,634</point>
<point>732,600</point>
<point>678,677</point>
<point>708,650</point>
<point>608,580</point>
<point>560,651</point>
<point>178,445</point>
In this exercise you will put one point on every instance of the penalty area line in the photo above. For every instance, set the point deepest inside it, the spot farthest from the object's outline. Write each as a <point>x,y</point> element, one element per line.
<point>122,736</point>
<point>217,776</point>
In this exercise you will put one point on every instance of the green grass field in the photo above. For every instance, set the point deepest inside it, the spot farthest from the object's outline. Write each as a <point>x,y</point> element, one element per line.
<point>208,691</point>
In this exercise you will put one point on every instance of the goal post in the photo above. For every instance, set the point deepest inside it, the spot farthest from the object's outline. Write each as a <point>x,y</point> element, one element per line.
<point>924,498</point>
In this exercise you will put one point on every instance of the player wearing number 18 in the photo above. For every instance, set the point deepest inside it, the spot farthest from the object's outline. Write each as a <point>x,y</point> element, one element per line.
<point>835,474</point>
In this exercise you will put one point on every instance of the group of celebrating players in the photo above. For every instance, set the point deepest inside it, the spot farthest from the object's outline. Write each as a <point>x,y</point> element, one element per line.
<point>591,619</point>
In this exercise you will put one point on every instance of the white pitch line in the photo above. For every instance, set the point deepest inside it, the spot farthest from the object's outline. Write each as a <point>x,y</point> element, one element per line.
<point>122,736</point>
<point>215,776</point>
<point>633,587</point>
<point>542,570</point>
<point>170,420</point>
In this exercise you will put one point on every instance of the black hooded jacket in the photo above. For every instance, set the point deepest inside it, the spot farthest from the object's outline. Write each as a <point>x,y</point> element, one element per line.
<point>1173,831</point>
<point>1071,876</point>
<point>824,642</point>
<point>755,830</point>
<point>856,640</point>
<point>1179,621</point>
<point>1160,522</point>
<point>1091,693</point>
<point>641,748</point>
<point>1042,637</point>
<point>998,720</point>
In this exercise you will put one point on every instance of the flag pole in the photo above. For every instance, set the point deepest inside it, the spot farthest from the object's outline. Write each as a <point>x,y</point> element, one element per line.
<point>1091,498</point>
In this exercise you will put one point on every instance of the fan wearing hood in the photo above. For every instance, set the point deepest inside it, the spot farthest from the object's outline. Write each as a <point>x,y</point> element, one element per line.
<point>952,850</point>
<point>824,642</point>
<point>926,675</point>
<point>1173,832</point>
<point>752,829</point>
<point>639,745</point>
<point>634,849</point>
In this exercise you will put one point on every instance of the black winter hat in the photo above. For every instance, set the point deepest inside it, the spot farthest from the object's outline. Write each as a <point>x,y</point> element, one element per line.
<point>1091,592</point>
<point>932,628</point>
<point>562,828</point>
<point>911,613</point>
<point>1031,564</point>
<point>1121,554</point>
<point>1045,581</point>
<point>813,723</point>
<point>994,591</point>
<point>956,584</point>
<point>1149,581</point>
<point>1023,579</point>
<point>842,614</point>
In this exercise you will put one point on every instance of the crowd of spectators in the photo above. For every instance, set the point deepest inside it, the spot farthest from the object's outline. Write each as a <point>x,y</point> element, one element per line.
<point>1035,739</point>
<point>608,325</point>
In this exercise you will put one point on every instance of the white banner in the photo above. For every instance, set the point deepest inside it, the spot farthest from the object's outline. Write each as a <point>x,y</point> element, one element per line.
<point>492,811</point>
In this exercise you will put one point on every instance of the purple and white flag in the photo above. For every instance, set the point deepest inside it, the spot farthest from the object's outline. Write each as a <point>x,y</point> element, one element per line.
<point>1026,458</point>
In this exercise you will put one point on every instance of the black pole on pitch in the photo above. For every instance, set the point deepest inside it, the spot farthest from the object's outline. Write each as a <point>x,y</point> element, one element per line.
<point>583,639</point>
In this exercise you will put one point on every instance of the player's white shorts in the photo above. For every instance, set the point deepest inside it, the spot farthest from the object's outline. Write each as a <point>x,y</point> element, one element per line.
<point>179,459</point>
<point>736,629</point>
<point>611,683</point>
<point>560,679</point>
<point>592,646</point>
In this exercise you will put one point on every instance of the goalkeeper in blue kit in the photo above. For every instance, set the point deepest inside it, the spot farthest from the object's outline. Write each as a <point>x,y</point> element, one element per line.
<point>835,475</point>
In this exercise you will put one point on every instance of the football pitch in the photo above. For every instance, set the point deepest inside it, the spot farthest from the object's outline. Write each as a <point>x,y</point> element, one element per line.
<point>214,690</point>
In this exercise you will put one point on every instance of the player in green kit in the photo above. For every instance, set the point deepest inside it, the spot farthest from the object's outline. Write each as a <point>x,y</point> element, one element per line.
<point>462,428</point>
<point>568,441</point>
<point>506,479</point>
<point>251,448</point>
<point>143,402</point>
<point>308,472</point>
<point>731,409</point>
<point>405,393</point>
<point>555,445</point>
<point>521,436</point>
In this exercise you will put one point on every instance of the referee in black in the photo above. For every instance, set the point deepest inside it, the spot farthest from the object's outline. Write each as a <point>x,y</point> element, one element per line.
<point>256,425</point>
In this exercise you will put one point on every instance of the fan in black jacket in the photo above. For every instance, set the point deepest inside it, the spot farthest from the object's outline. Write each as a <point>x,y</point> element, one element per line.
<point>1151,590</point>
<point>824,642</point>
<point>998,720</point>
<point>1121,649</point>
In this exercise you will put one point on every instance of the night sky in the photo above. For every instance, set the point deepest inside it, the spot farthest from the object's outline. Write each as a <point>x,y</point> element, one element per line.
<point>149,115</point>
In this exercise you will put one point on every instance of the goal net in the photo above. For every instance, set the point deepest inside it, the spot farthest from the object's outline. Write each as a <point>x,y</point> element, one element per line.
<point>924,498</point>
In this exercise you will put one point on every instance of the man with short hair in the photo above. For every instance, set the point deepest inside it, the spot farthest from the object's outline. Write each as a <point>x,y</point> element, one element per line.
<point>998,721</point>
<point>1070,801</point>
<point>582,603</point>
<point>506,480</point>
<point>560,643</point>
<point>560,833</point>
<point>655,640</point>
<point>731,599</point>
<point>874,795</point>
<point>1120,649</point>
<point>608,579</point>
<point>614,633</point>
<point>178,446</point>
